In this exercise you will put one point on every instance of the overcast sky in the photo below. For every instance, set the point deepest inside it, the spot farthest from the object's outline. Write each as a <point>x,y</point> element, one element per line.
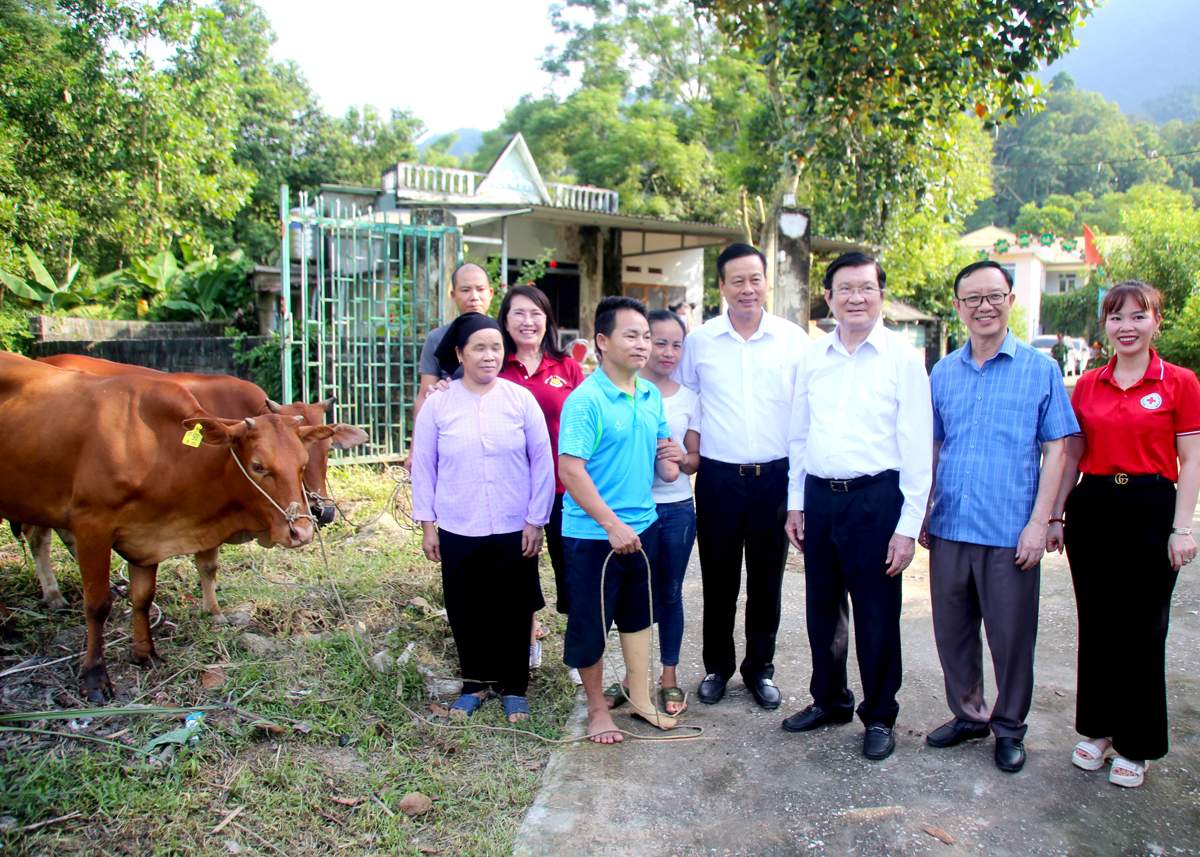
<point>454,64</point>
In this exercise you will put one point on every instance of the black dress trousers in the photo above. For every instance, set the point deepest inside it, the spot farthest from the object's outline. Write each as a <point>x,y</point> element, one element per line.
<point>738,511</point>
<point>1116,539</point>
<point>846,535</point>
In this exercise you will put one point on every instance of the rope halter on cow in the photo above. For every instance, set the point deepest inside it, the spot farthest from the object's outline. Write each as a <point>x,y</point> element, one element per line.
<point>293,512</point>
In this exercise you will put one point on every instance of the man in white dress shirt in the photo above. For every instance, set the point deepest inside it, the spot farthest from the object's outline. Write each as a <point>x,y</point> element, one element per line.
<point>861,467</point>
<point>743,365</point>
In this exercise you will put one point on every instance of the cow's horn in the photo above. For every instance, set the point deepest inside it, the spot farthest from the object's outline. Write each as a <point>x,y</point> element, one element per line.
<point>329,403</point>
<point>299,418</point>
<point>249,422</point>
<point>274,407</point>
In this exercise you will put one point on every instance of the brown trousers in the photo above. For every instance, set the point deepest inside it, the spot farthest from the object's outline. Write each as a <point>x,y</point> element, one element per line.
<point>972,583</point>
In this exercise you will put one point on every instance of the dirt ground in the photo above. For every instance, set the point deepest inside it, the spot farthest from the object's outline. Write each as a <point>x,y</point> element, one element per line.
<point>750,788</point>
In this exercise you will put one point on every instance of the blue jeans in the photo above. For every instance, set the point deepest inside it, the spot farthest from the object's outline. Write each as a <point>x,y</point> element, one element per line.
<point>676,535</point>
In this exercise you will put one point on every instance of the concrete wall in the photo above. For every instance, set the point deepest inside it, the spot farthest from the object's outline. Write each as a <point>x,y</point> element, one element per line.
<point>1027,284</point>
<point>51,328</point>
<point>208,356</point>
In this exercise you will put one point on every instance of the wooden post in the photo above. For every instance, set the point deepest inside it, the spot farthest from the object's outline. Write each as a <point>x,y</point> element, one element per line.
<point>793,264</point>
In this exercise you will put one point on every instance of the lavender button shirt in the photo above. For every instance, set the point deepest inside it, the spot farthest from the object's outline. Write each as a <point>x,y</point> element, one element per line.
<point>482,463</point>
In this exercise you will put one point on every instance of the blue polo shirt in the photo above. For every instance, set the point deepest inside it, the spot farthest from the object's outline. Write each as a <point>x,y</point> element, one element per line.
<point>992,421</point>
<point>617,435</point>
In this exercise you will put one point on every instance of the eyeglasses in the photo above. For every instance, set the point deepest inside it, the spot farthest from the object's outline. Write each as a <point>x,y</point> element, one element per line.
<point>975,300</point>
<point>865,291</point>
<point>523,315</point>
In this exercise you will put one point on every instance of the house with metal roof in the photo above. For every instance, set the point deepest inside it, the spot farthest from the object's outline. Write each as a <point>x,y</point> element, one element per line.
<point>511,213</point>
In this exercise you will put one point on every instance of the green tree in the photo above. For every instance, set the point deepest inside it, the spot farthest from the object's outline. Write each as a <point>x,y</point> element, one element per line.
<point>1057,215</point>
<point>859,88</point>
<point>650,142</point>
<point>1079,144</point>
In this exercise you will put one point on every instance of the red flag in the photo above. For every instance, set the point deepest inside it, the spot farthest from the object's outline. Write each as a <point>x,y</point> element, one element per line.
<point>1090,254</point>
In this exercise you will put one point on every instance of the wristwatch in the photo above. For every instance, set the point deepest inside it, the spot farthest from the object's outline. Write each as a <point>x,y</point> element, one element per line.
<point>1181,531</point>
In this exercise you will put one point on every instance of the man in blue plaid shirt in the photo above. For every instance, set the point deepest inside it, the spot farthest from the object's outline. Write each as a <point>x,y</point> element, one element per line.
<point>1000,418</point>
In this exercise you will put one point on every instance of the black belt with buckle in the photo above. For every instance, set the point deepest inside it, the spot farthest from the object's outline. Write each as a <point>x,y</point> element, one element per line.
<point>842,486</point>
<point>1130,478</point>
<point>759,469</point>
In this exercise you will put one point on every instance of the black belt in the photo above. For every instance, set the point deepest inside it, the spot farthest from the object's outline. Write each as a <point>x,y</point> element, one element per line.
<point>760,469</point>
<point>841,486</point>
<point>1130,479</point>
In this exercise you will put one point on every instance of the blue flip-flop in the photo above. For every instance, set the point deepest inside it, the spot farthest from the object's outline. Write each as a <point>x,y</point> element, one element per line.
<point>468,703</point>
<point>515,705</point>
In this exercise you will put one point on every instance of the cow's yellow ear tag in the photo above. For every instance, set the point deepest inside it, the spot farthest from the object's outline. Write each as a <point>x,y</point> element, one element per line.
<point>193,437</point>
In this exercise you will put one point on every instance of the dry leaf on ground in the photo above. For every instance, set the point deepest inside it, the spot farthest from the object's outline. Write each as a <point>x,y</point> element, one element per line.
<point>937,833</point>
<point>415,803</point>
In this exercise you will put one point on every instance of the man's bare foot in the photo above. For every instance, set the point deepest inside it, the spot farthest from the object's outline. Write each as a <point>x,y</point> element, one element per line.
<point>601,727</point>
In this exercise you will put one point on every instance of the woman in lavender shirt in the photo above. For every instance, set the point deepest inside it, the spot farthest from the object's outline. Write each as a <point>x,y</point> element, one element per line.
<point>483,485</point>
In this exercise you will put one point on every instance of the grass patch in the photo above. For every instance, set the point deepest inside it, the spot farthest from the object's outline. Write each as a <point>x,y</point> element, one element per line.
<point>333,779</point>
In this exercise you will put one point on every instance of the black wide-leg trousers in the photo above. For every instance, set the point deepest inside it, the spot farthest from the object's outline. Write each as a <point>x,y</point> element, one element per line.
<point>491,595</point>
<point>846,537</point>
<point>738,514</point>
<point>1116,539</point>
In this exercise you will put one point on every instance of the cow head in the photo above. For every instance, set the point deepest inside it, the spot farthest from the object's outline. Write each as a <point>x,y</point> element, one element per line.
<point>344,437</point>
<point>273,453</point>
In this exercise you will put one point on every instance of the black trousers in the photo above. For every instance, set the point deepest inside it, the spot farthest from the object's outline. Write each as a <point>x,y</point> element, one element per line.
<point>489,588</point>
<point>1117,545</point>
<point>554,547</point>
<point>846,539</point>
<point>736,513</point>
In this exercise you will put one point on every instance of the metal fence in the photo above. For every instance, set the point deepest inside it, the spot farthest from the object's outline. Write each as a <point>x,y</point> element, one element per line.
<point>361,291</point>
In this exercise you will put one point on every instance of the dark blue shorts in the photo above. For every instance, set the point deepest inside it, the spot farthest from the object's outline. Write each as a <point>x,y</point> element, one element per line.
<point>628,594</point>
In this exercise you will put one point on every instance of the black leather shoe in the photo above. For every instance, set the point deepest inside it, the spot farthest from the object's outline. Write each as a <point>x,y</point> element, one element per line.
<point>814,716</point>
<point>878,741</point>
<point>712,688</point>
<point>955,732</point>
<point>765,693</point>
<point>1010,754</point>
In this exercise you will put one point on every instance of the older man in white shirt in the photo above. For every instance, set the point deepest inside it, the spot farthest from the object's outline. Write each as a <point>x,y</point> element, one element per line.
<point>861,466</point>
<point>743,365</point>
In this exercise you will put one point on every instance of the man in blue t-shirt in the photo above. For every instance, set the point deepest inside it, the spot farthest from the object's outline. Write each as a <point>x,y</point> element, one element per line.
<point>611,429</point>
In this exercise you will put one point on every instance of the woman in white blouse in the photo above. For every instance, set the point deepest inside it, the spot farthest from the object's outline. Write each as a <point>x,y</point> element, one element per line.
<point>676,511</point>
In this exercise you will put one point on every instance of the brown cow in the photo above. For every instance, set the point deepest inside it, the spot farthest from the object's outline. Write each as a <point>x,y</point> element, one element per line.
<point>106,458</point>
<point>222,396</point>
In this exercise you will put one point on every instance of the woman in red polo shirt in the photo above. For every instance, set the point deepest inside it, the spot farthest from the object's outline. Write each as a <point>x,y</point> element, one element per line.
<point>533,359</point>
<point>1131,531</point>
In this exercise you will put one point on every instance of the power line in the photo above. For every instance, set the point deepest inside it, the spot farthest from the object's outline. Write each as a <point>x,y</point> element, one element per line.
<point>1104,161</point>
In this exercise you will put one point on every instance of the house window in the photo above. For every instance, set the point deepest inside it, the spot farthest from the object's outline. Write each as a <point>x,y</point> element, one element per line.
<point>654,297</point>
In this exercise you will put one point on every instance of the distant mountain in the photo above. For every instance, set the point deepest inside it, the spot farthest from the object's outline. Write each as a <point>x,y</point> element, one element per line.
<point>469,140</point>
<point>1135,51</point>
<point>1182,103</point>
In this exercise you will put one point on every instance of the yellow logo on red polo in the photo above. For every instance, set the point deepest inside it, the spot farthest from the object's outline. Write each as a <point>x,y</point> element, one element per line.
<point>555,381</point>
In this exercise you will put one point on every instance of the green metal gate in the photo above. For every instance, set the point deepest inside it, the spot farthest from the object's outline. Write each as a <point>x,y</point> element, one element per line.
<point>370,288</point>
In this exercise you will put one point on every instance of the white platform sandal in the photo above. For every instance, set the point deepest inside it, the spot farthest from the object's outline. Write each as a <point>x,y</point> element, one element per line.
<point>1128,780</point>
<point>1089,757</point>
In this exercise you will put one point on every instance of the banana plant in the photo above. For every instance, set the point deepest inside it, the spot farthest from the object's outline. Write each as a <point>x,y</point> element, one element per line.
<point>208,281</point>
<point>43,289</point>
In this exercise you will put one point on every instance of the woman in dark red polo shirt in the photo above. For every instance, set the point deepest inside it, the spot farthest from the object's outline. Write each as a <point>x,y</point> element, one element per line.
<point>1131,531</point>
<point>533,359</point>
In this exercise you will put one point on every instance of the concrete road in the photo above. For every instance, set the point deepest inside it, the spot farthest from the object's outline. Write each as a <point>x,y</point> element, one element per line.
<point>749,788</point>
